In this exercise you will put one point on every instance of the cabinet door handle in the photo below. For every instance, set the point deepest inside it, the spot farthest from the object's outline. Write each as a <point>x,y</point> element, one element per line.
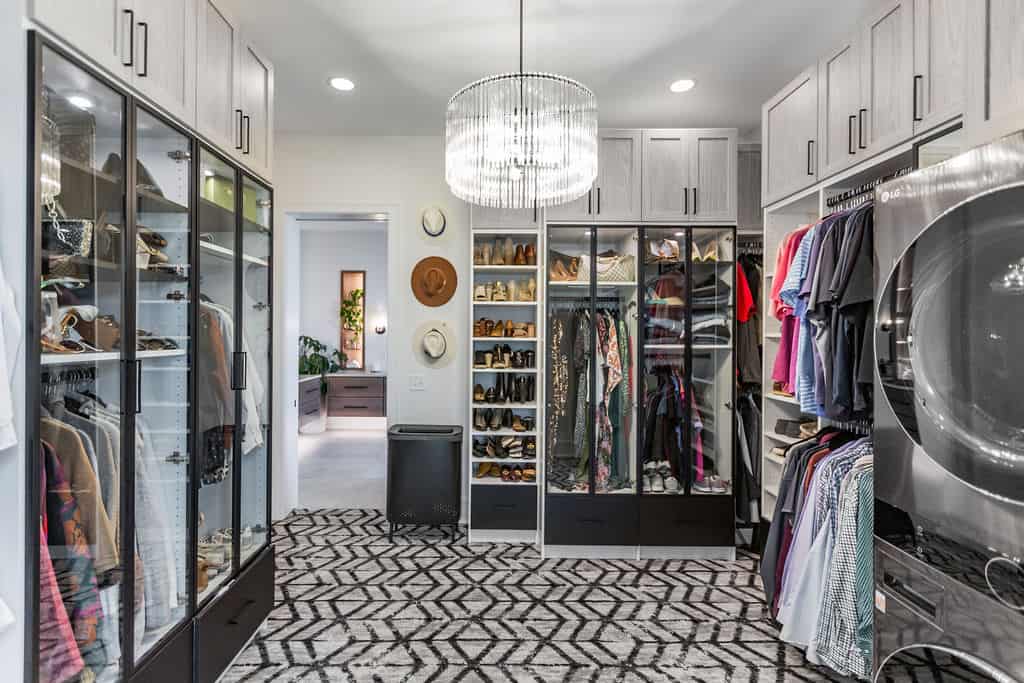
<point>686,201</point>
<point>239,145</point>
<point>599,201</point>
<point>849,135</point>
<point>138,387</point>
<point>695,201</point>
<point>238,374</point>
<point>860,128</point>
<point>810,149</point>
<point>248,131</point>
<point>131,38</point>
<point>535,212</point>
<point>145,49</point>
<point>590,202</point>
<point>236,620</point>
<point>918,78</point>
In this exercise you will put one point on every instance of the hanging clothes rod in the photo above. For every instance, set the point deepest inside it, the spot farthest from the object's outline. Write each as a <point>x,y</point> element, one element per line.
<point>833,202</point>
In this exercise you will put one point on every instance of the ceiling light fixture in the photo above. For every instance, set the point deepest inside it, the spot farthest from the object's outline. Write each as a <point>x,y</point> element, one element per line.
<point>83,103</point>
<point>343,84</point>
<point>521,140</point>
<point>683,85</point>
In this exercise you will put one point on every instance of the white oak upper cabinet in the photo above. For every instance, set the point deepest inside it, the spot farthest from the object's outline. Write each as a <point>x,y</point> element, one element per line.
<point>995,69</point>
<point>885,117</point>
<point>617,193</point>
<point>218,114</point>
<point>666,175</point>
<point>256,102</point>
<point>789,152</point>
<point>940,62</point>
<point>101,29</point>
<point>713,175</point>
<point>165,55</point>
<point>839,102</point>
<point>484,217</point>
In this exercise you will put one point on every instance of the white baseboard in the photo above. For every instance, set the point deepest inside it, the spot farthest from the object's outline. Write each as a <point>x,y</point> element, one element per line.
<point>648,552</point>
<point>590,552</point>
<point>528,536</point>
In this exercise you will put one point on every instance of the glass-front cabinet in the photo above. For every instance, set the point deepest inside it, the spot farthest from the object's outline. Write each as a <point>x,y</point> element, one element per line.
<point>149,423</point>
<point>640,387</point>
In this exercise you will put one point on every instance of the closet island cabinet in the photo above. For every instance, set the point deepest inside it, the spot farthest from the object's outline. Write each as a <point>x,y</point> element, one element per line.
<point>149,425</point>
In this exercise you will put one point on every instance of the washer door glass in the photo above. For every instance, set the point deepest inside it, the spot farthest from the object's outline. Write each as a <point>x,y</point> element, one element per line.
<point>950,342</point>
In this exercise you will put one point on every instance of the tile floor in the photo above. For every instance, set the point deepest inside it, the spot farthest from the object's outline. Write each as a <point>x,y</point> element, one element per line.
<point>343,469</point>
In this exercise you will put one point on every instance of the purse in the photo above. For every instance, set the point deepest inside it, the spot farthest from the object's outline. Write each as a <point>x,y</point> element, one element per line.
<point>67,237</point>
<point>616,268</point>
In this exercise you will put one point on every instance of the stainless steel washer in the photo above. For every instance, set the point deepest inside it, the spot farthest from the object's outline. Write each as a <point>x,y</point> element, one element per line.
<point>949,410</point>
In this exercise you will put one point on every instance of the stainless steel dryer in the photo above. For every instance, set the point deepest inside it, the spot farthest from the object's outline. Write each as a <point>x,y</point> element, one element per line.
<point>949,415</point>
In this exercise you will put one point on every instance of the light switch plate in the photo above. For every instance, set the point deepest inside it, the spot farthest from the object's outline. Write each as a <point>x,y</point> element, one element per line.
<point>416,383</point>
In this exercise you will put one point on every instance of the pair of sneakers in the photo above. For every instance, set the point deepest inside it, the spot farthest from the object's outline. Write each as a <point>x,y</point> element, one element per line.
<point>712,483</point>
<point>658,477</point>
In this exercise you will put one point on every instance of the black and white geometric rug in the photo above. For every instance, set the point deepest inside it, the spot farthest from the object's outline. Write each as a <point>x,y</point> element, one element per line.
<point>350,606</point>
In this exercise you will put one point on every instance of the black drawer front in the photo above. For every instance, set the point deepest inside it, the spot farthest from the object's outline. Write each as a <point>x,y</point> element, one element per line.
<point>223,628</point>
<point>572,519</point>
<point>504,507</point>
<point>172,663</point>
<point>687,521</point>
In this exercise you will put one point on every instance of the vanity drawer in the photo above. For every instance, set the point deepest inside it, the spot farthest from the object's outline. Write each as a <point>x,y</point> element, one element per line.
<point>309,389</point>
<point>354,406</point>
<point>356,387</point>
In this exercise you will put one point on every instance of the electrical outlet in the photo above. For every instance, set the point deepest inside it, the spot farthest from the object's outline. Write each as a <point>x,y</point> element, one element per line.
<point>416,383</point>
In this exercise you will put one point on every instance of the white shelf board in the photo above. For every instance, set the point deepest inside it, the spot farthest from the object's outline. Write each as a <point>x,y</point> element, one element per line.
<point>78,358</point>
<point>774,458</point>
<point>504,339</point>
<point>556,283</point>
<point>224,252</point>
<point>504,432</point>
<point>499,482</point>
<point>162,353</point>
<point>524,304</point>
<point>505,269</point>
<point>781,438</point>
<point>531,406</point>
<point>520,371</point>
<point>778,398</point>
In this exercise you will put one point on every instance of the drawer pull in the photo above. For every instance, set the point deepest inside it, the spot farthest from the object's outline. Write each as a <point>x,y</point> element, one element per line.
<point>313,412</point>
<point>234,621</point>
<point>591,521</point>
<point>505,506</point>
<point>357,407</point>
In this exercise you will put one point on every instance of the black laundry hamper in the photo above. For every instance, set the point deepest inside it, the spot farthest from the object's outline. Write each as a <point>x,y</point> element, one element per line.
<point>424,475</point>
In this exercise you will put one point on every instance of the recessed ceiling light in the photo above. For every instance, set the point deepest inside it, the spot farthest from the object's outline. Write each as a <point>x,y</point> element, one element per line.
<point>682,85</point>
<point>339,83</point>
<point>81,102</point>
<point>680,234</point>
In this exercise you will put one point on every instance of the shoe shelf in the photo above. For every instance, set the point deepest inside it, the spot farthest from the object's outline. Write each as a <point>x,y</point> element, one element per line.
<point>520,371</point>
<point>587,284</point>
<point>508,461</point>
<point>499,482</point>
<point>781,438</point>
<point>229,254</point>
<point>504,269</point>
<point>524,406</point>
<point>782,398</point>
<point>504,432</point>
<point>777,459</point>
<point>505,339</point>
<point>522,304</point>
<point>79,358</point>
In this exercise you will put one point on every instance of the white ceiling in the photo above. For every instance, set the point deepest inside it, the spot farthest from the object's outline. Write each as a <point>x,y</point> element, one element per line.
<point>407,57</point>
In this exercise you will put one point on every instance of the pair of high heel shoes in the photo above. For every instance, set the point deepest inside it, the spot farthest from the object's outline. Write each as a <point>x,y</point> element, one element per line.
<point>708,255</point>
<point>513,290</point>
<point>565,271</point>
<point>505,253</point>
<point>495,420</point>
<point>508,388</point>
<point>505,447</point>
<point>484,327</point>
<point>503,357</point>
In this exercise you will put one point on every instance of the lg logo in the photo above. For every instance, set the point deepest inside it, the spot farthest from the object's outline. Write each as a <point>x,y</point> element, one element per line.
<point>893,194</point>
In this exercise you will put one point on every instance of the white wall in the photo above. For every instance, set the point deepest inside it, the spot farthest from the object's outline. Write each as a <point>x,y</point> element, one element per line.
<point>13,140</point>
<point>327,249</point>
<point>400,176</point>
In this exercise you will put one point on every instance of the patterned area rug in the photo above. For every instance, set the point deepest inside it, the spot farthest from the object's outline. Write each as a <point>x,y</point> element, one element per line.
<point>350,606</point>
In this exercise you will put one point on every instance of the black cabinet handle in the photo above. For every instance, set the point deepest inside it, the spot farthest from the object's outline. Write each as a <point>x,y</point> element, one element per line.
<point>686,201</point>
<point>695,201</point>
<point>535,212</point>
<point>234,621</point>
<point>145,49</point>
<point>356,407</point>
<point>590,202</point>
<point>504,506</point>
<point>599,201</point>
<point>910,595</point>
<point>357,386</point>
<point>239,145</point>
<point>131,38</point>
<point>138,387</point>
<point>849,135</point>
<point>918,78</point>
<point>860,128</point>
<point>583,520</point>
<point>238,371</point>
<point>810,148</point>
<point>248,130</point>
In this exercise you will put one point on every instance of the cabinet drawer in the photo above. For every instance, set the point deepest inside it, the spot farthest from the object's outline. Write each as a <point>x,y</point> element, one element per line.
<point>309,388</point>
<point>356,387</point>
<point>510,507</point>
<point>572,519</point>
<point>353,406</point>
<point>686,521</point>
<point>165,665</point>
<point>226,625</point>
<point>310,406</point>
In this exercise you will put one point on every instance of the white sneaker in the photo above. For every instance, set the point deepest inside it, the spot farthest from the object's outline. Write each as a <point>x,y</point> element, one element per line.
<point>671,484</point>
<point>647,483</point>
<point>657,484</point>
<point>703,486</point>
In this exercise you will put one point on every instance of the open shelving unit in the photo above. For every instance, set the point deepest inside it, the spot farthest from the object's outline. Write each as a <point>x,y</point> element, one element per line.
<point>506,511</point>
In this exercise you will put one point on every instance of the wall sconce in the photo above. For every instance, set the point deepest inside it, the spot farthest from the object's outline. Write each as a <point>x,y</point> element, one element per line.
<point>380,329</point>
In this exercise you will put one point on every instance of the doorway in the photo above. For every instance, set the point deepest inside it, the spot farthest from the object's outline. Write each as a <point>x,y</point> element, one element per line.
<point>342,374</point>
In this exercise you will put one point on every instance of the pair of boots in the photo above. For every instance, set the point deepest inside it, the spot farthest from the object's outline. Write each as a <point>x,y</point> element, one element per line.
<point>508,388</point>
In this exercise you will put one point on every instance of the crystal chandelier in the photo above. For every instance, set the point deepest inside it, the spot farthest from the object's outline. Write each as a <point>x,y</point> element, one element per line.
<point>521,140</point>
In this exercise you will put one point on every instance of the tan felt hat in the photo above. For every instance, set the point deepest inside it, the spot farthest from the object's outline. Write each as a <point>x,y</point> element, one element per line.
<point>434,281</point>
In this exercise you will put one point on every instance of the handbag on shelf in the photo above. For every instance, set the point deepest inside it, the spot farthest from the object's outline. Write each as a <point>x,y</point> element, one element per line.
<point>616,268</point>
<point>62,237</point>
